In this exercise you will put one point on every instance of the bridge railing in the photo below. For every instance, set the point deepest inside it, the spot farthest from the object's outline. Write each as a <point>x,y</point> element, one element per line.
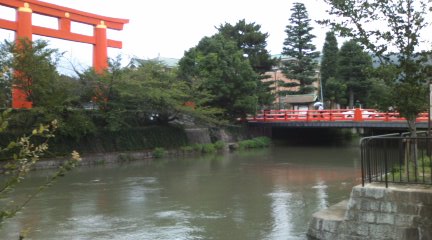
<point>396,159</point>
<point>332,115</point>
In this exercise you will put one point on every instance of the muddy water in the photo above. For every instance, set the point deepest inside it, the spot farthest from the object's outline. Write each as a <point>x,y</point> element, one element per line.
<point>259,194</point>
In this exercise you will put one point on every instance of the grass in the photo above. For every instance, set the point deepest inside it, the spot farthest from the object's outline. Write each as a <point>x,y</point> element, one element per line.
<point>405,174</point>
<point>258,142</point>
<point>159,152</point>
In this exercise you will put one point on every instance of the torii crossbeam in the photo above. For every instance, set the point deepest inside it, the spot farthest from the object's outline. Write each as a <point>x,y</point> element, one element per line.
<point>24,29</point>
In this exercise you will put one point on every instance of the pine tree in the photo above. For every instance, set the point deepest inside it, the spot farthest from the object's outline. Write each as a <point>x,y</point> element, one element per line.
<point>298,46</point>
<point>252,41</point>
<point>352,65</point>
<point>328,66</point>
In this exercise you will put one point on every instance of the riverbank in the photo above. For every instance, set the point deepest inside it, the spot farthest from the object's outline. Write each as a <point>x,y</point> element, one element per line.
<point>90,159</point>
<point>399,212</point>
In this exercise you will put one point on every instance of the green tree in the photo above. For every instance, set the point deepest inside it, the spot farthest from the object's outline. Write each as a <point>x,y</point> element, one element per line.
<point>217,66</point>
<point>391,27</point>
<point>152,89</point>
<point>252,41</point>
<point>32,67</point>
<point>336,92</point>
<point>353,64</point>
<point>298,46</point>
<point>329,61</point>
<point>5,86</point>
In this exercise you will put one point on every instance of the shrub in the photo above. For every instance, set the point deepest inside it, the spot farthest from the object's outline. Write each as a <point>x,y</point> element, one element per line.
<point>197,147</point>
<point>219,145</point>
<point>258,142</point>
<point>159,152</point>
<point>208,148</point>
<point>262,141</point>
<point>186,149</point>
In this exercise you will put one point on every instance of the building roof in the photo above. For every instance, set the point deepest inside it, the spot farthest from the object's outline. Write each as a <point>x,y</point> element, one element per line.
<point>301,98</point>
<point>168,62</point>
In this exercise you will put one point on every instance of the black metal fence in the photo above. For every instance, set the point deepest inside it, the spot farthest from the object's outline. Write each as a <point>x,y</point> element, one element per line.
<point>396,158</point>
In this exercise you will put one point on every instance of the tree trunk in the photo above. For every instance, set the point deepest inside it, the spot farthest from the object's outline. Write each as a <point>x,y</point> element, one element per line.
<point>413,145</point>
<point>351,98</point>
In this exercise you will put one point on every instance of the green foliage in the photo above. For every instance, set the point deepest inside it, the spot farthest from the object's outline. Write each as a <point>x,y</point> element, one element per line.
<point>252,41</point>
<point>258,142</point>
<point>187,149</point>
<point>219,145</point>
<point>208,148</point>
<point>31,66</point>
<point>353,64</point>
<point>159,152</point>
<point>336,91</point>
<point>72,123</point>
<point>298,46</point>
<point>217,66</point>
<point>409,171</point>
<point>329,63</point>
<point>85,131</point>
<point>392,30</point>
<point>197,147</point>
<point>379,95</point>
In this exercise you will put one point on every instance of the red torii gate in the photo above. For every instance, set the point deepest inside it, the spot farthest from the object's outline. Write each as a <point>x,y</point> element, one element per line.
<point>24,29</point>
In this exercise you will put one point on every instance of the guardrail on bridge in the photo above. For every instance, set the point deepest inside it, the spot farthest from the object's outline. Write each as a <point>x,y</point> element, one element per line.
<point>333,115</point>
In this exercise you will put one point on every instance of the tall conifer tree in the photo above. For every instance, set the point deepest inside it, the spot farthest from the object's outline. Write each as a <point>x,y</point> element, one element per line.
<point>252,41</point>
<point>329,59</point>
<point>299,48</point>
<point>352,65</point>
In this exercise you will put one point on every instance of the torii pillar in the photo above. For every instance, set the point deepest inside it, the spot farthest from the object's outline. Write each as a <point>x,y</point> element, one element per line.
<point>100,48</point>
<point>23,32</point>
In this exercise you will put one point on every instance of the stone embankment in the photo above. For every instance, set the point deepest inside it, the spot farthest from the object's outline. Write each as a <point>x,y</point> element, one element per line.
<point>195,135</point>
<point>373,212</point>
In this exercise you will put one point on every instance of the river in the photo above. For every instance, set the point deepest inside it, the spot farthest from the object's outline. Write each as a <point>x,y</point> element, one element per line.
<point>255,194</point>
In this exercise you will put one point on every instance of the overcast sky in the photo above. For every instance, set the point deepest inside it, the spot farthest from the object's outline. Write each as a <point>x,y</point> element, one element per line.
<point>167,28</point>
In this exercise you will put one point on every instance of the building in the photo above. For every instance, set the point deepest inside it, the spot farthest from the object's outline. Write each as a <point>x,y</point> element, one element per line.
<point>282,99</point>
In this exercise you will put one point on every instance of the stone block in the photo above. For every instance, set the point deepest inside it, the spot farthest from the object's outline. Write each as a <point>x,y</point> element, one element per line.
<point>388,207</point>
<point>421,197</point>
<point>371,205</point>
<point>357,191</point>
<point>381,231</point>
<point>330,226</point>
<point>410,233</point>
<point>425,233</point>
<point>353,203</point>
<point>367,217</point>
<point>375,193</point>
<point>407,208</point>
<point>385,218</point>
<point>360,230</point>
<point>351,215</point>
<point>403,220</point>
<point>425,211</point>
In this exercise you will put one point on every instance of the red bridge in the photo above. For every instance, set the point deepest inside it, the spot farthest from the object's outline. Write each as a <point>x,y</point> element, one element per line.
<point>334,118</point>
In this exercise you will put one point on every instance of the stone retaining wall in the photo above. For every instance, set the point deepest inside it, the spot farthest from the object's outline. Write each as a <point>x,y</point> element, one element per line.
<point>375,212</point>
